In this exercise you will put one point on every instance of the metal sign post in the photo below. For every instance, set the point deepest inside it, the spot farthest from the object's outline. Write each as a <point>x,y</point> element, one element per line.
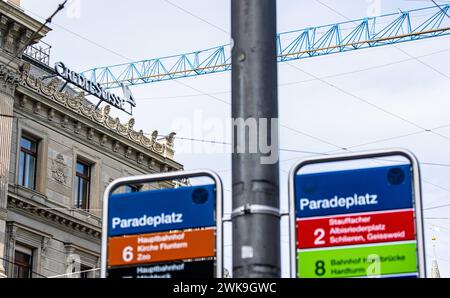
<point>173,232</point>
<point>364,222</point>
<point>256,194</point>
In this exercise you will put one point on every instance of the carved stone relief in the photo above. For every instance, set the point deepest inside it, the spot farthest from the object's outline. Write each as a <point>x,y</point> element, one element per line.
<point>59,169</point>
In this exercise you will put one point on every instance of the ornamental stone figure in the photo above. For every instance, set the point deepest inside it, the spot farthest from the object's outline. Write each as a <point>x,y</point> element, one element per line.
<point>59,169</point>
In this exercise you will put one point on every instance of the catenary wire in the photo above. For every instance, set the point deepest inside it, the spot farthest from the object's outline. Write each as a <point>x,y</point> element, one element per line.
<point>305,81</point>
<point>348,93</point>
<point>73,273</point>
<point>35,33</point>
<point>291,150</point>
<point>282,125</point>
<point>316,78</point>
<point>366,101</point>
<point>196,16</point>
<point>14,263</point>
<point>80,36</point>
<point>394,46</point>
<point>437,5</point>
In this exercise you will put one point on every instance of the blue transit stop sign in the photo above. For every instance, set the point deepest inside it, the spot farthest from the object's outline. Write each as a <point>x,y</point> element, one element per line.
<point>351,191</point>
<point>164,233</point>
<point>356,223</point>
<point>161,210</point>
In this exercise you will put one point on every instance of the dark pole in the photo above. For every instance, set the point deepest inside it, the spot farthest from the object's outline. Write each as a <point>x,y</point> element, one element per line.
<point>255,218</point>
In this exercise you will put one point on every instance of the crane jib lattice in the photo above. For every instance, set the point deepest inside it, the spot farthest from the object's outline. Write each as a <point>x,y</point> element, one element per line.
<point>370,32</point>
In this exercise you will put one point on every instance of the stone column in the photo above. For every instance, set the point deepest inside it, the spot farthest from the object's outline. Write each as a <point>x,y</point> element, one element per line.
<point>8,83</point>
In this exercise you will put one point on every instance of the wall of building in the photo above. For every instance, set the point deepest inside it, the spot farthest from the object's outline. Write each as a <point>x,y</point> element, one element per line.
<point>44,221</point>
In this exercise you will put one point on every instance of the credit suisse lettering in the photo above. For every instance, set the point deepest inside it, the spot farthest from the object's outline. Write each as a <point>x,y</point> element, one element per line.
<point>91,87</point>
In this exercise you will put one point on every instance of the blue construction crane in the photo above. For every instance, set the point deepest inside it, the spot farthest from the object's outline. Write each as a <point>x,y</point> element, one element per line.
<point>347,36</point>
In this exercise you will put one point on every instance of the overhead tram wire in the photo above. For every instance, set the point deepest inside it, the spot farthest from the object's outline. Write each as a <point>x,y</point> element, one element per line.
<point>35,33</point>
<point>224,143</point>
<point>437,164</point>
<point>80,36</point>
<point>339,89</point>
<point>396,47</point>
<point>130,60</point>
<point>335,151</point>
<point>393,45</point>
<point>229,144</point>
<point>437,5</point>
<point>359,98</point>
<point>308,80</point>
<point>73,273</point>
<point>362,99</point>
<point>281,125</point>
<point>14,263</point>
<point>216,98</point>
<point>436,207</point>
<point>195,89</point>
<point>206,94</point>
<point>197,17</point>
<point>340,149</point>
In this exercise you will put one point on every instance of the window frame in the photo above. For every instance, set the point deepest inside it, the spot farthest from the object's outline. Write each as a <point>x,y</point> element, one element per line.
<point>85,271</point>
<point>81,177</point>
<point>27,153</point>
<point>18,265</point>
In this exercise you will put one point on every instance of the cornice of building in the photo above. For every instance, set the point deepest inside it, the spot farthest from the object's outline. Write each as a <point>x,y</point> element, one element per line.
<point>70,223</point>
<point>80,105</point>
<point>124,140</point>
<point>9,79</point>
<point>13,15</point>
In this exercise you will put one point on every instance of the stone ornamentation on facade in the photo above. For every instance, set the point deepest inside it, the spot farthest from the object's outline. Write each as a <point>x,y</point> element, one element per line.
<point>23,101</point>
<point>79,105</point>
<point>8,80</point>
<point>140,159</point>
<point>130,124</point>
<point>152,163</point>
<point>65,121</point>
<point>108,182</point>
<point>37,107</point>
<point>77,127</point>
<point>59,169</point>
<point>104,140</point>
<point>51,114</point>
<point>90,133</point>
<point>116,146</point>
<point>154,136</point>
<point>128,152</point>
<point>170,139</point>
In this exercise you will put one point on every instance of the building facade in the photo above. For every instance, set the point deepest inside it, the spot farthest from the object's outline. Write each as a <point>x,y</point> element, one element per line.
<point>58,153</point>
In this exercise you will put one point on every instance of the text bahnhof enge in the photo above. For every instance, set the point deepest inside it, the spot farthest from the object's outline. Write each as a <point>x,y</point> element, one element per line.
<point>93,88</point>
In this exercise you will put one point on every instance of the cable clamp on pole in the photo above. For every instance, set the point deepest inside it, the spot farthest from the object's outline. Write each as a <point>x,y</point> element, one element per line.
<point>255,209</point>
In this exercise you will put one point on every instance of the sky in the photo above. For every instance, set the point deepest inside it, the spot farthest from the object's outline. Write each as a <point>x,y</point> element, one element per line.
<point>336,111</point>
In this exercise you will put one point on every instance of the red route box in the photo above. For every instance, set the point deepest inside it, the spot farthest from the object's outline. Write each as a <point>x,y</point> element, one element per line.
<point>161,247</point>
<point>355,229</point>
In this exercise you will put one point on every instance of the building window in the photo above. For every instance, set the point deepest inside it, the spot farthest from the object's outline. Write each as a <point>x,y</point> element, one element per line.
<point>82,185</point>
<point>132,188</point>
<point>28,162</point>
<point>23,263</point>
<point>85,271</point>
